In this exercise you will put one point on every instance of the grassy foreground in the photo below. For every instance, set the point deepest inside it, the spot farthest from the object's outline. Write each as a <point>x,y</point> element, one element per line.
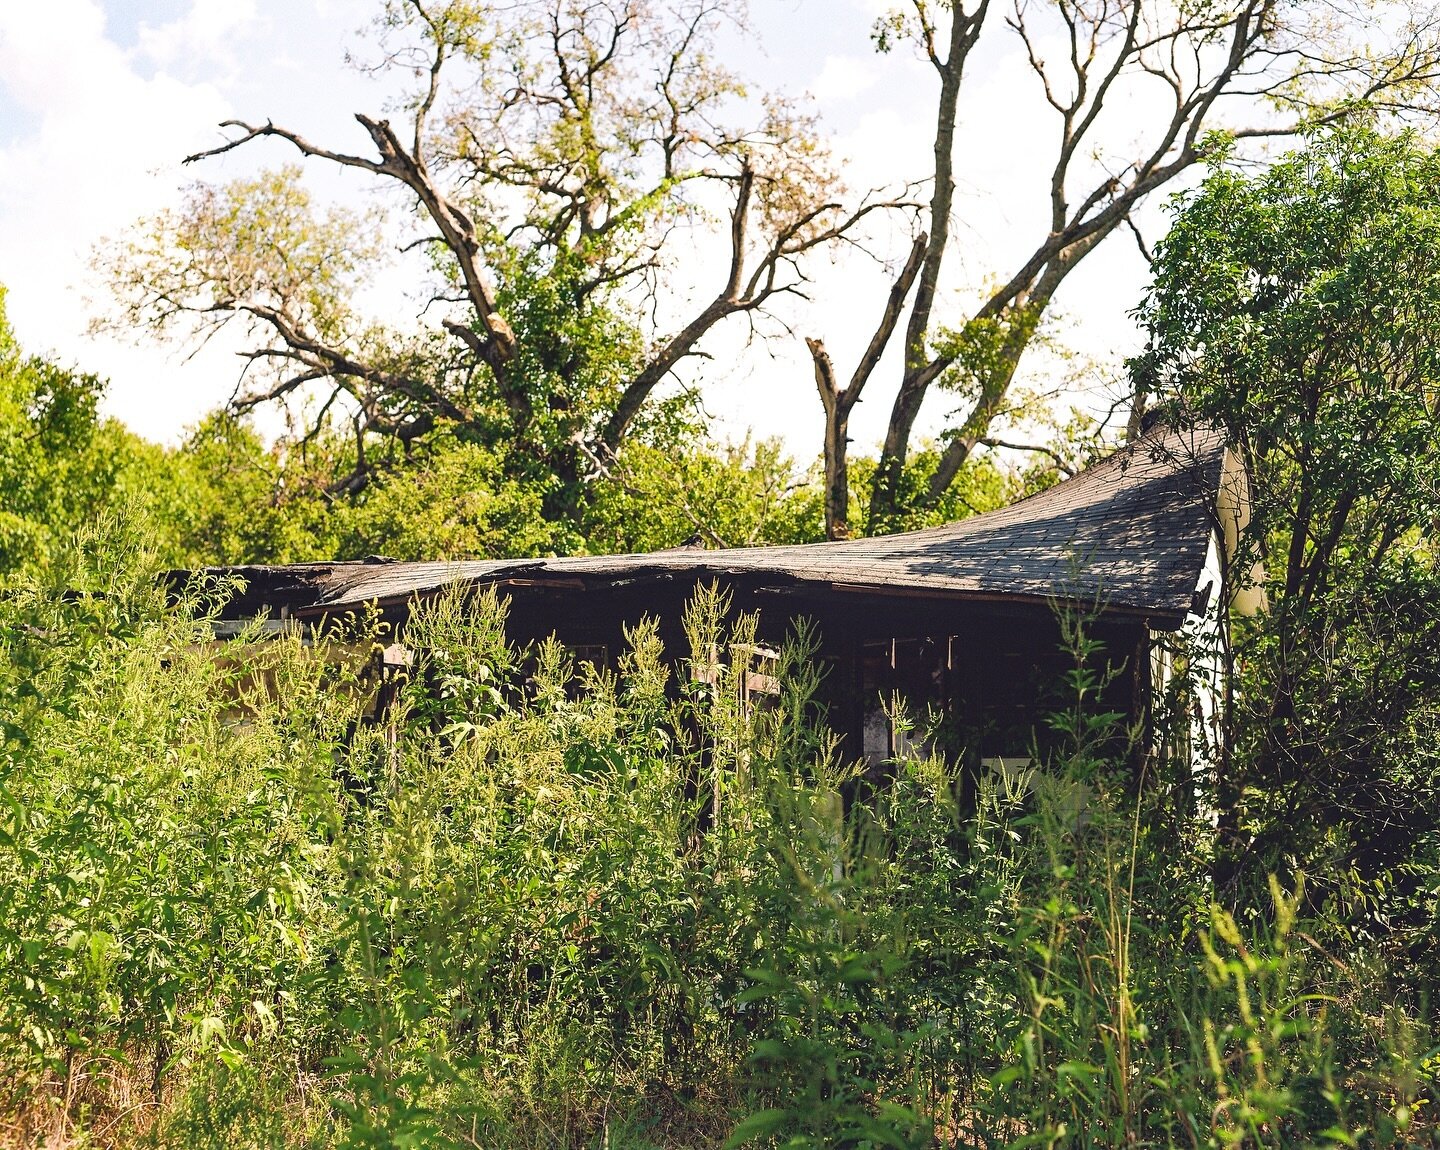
<point>591,912</point>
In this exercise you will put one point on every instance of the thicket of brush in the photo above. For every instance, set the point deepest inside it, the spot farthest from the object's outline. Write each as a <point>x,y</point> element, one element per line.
<point>547,906</point>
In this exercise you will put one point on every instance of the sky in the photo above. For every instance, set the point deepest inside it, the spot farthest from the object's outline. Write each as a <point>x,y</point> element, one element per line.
<point>101,99</point>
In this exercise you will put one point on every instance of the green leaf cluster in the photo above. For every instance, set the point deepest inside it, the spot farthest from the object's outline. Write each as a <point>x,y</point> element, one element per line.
<point>1299,309</point>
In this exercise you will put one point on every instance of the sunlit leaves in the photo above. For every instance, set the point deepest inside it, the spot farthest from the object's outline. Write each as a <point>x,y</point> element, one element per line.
<point>1300,310</point>
<point>250,243</point>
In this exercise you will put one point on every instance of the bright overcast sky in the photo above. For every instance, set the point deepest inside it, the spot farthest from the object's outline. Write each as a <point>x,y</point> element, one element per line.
<point>100,99</point>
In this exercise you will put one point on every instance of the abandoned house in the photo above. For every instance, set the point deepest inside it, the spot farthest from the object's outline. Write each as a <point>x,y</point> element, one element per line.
<point>961,621</point>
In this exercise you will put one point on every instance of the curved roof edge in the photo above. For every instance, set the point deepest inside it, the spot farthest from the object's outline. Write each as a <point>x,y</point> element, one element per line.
<point>1128,534</point>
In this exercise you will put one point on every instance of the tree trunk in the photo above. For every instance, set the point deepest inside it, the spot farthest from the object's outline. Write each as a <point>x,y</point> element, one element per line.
<point>918,372</point>
<point>837,403</point>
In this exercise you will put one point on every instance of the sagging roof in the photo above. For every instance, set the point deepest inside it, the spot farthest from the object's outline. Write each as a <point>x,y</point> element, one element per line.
<point>1129,533</point>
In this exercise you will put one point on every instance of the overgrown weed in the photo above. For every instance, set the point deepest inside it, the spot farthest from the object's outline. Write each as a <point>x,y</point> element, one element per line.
<point>537,904</point>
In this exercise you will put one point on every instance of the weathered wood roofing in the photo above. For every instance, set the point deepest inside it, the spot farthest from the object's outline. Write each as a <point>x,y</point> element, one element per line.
<point>1129,533</point>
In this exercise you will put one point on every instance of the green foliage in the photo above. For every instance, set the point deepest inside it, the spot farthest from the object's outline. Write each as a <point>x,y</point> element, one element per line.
<point>982,485</point>
<point>275,252</point>
<point>985,349</point>
<point>55,469</point>
<point>454,502</point>
<point>222,497</point>
<point>225,496</point>
<point>732,496</point>
<point>1300,310</point>
<point>535,903</point>
<point>578,347</point>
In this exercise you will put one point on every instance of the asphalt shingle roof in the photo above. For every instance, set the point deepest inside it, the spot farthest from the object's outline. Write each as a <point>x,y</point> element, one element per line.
<point>1130,532</point>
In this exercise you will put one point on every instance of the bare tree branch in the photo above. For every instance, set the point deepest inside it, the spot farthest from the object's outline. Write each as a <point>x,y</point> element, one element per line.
<point>1199,57</point>
<point>1039,449</point>
<point>838,402</point>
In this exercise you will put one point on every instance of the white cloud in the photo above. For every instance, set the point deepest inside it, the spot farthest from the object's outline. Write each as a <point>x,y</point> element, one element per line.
<point>207,35</point>
<point>44,51</point>
<point>844,78</point>
<point>100,153</point>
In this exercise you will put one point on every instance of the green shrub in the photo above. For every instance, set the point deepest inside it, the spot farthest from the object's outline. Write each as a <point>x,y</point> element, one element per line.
<point>539,904</point>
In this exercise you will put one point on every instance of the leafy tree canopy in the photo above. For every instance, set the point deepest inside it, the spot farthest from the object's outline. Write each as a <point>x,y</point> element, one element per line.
<point>1300,310</point>
<point>589,192</point>
<point>57,458</point>
<point>561,160</point>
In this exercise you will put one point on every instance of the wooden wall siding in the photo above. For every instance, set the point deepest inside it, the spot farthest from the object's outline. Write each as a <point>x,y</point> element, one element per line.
<point>961,618</point>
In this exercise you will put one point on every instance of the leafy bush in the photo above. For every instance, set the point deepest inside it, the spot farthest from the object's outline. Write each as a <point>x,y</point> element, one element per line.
<point>535,903</point>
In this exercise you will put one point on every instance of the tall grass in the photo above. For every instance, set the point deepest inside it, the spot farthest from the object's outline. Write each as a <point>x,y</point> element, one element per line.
<point>538,904</point>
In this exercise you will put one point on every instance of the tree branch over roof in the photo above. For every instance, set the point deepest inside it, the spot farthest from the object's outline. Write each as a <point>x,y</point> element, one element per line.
<point>565,147</point>
<point>1246,69</point>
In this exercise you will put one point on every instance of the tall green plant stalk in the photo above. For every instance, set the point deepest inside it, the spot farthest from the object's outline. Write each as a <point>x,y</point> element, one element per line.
<point>505,916</point>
